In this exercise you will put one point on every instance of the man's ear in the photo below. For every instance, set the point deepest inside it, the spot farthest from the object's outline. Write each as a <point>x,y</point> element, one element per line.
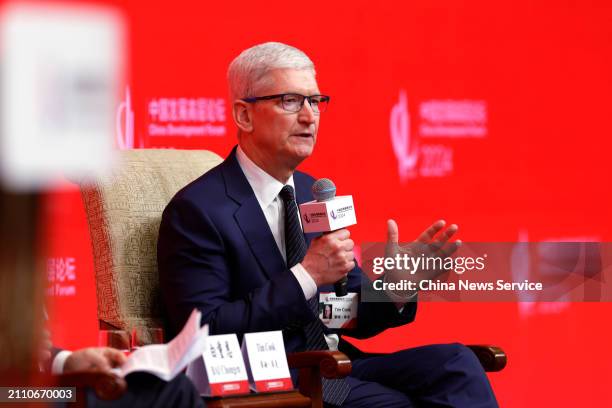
<point>242,116</point>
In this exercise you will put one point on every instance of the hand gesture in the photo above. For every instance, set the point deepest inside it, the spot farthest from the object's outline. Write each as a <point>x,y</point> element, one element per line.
<point>433,242</point>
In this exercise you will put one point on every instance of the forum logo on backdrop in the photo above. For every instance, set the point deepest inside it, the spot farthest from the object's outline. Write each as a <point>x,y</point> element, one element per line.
<point>186,117</point>
<point>61,276</point>
<point>124,123</point>
<point>555,258</point>
<point>171,117</point>
<point>422,146</point>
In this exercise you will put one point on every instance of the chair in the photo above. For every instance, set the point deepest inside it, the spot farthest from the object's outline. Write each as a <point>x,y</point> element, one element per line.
<point>124,212</point>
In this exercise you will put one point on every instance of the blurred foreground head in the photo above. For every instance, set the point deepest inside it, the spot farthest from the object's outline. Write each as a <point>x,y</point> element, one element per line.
<point>21,289</point>
<point>58,99</point>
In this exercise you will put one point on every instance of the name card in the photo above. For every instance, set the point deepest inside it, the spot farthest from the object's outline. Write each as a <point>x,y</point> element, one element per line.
<point>338,312</point>
<point>264,353</point>
<point>221,370</point>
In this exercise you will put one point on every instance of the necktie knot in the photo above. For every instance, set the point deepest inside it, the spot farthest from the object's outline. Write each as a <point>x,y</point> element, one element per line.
<point>287,194</point>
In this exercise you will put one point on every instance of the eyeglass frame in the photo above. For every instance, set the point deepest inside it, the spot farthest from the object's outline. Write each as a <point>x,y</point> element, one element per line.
<point>254,99</point>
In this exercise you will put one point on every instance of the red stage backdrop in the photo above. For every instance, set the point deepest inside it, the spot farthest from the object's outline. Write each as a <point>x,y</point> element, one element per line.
<point>492,116</point>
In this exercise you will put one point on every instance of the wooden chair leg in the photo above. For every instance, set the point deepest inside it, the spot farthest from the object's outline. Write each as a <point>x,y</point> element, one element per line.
<point>310,385</point>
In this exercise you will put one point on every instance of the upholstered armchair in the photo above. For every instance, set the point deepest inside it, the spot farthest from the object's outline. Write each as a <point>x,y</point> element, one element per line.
<point>124,212</point>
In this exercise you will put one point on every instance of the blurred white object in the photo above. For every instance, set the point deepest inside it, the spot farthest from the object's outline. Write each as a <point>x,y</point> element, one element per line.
<point>61,70</point>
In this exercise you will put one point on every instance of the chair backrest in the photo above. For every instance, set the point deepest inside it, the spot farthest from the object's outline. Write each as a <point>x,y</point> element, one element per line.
<point>124,212</point>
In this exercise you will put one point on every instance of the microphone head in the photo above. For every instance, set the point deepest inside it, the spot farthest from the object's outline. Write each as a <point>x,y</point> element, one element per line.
<point>323,189</point>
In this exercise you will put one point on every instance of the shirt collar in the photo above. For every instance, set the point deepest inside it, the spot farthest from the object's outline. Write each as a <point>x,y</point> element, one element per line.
<point>265,187</point>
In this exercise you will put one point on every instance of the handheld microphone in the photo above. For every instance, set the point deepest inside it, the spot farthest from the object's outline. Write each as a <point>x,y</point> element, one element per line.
<point>328,213</point>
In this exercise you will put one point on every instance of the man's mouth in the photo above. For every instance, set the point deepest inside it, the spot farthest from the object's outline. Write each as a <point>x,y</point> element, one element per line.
<point>304,134</point>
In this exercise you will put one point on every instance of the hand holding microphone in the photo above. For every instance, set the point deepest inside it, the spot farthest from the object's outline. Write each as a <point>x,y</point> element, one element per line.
<point>330,256</point>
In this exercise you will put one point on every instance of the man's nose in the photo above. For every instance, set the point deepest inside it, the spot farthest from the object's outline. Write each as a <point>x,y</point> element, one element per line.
<point>306,113</point>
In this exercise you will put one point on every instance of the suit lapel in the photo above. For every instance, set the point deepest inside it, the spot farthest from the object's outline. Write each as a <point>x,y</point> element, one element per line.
<point>251,220</point>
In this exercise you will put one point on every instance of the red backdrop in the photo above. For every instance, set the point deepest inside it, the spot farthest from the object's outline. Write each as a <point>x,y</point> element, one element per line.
<point>499,112</point>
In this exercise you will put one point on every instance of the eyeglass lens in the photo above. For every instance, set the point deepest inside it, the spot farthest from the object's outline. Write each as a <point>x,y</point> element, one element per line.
<point>294,102</point>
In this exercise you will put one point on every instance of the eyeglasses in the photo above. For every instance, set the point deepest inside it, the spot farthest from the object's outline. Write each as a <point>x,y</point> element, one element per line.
<point>292,102</point>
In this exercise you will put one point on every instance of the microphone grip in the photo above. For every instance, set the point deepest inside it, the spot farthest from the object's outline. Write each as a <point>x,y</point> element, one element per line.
<point>341,287</point>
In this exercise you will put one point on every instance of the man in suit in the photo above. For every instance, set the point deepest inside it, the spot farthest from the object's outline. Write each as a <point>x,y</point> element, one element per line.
<point>230,244</point>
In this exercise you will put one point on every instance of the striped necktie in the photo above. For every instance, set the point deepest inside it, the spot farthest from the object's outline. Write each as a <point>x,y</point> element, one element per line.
<point>334,391</point>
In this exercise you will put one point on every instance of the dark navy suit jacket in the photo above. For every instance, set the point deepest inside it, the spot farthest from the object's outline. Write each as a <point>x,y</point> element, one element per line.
<point>216,252</point>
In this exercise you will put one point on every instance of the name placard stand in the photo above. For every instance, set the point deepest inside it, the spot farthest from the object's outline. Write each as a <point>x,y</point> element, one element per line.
<point>221,370</point>
<point>264,354</point>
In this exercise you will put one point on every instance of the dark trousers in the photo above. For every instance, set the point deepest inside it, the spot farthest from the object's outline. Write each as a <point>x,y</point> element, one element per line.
<point>145,390</point>
<point>440,375</point>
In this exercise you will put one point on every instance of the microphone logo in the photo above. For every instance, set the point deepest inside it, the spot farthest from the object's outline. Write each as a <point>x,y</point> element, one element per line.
<point>399,126</point>
<point>124,135</point>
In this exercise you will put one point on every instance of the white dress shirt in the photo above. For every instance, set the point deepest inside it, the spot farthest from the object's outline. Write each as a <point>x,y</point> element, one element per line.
<point>267,189</point>
<point>57,367</point>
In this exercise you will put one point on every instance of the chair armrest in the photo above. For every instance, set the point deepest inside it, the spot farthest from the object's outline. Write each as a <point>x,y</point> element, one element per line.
<point>313,365</point>
<point>492,358</point>
<point>331,364</point>
<point>107,386</point>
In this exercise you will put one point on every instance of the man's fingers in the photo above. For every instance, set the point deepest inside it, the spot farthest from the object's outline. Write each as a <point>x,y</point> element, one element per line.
<point>96,360</point>
<point>114,357</point>
<point>427,235</point>
<point>450,249</point>
<point>341,234</point>
<point>392,232</point>
<point>443,237</point>
<point>448,233</point>
<point>348,245</point>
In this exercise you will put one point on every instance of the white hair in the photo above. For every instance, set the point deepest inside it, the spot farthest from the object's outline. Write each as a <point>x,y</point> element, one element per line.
<point>248,70</point>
